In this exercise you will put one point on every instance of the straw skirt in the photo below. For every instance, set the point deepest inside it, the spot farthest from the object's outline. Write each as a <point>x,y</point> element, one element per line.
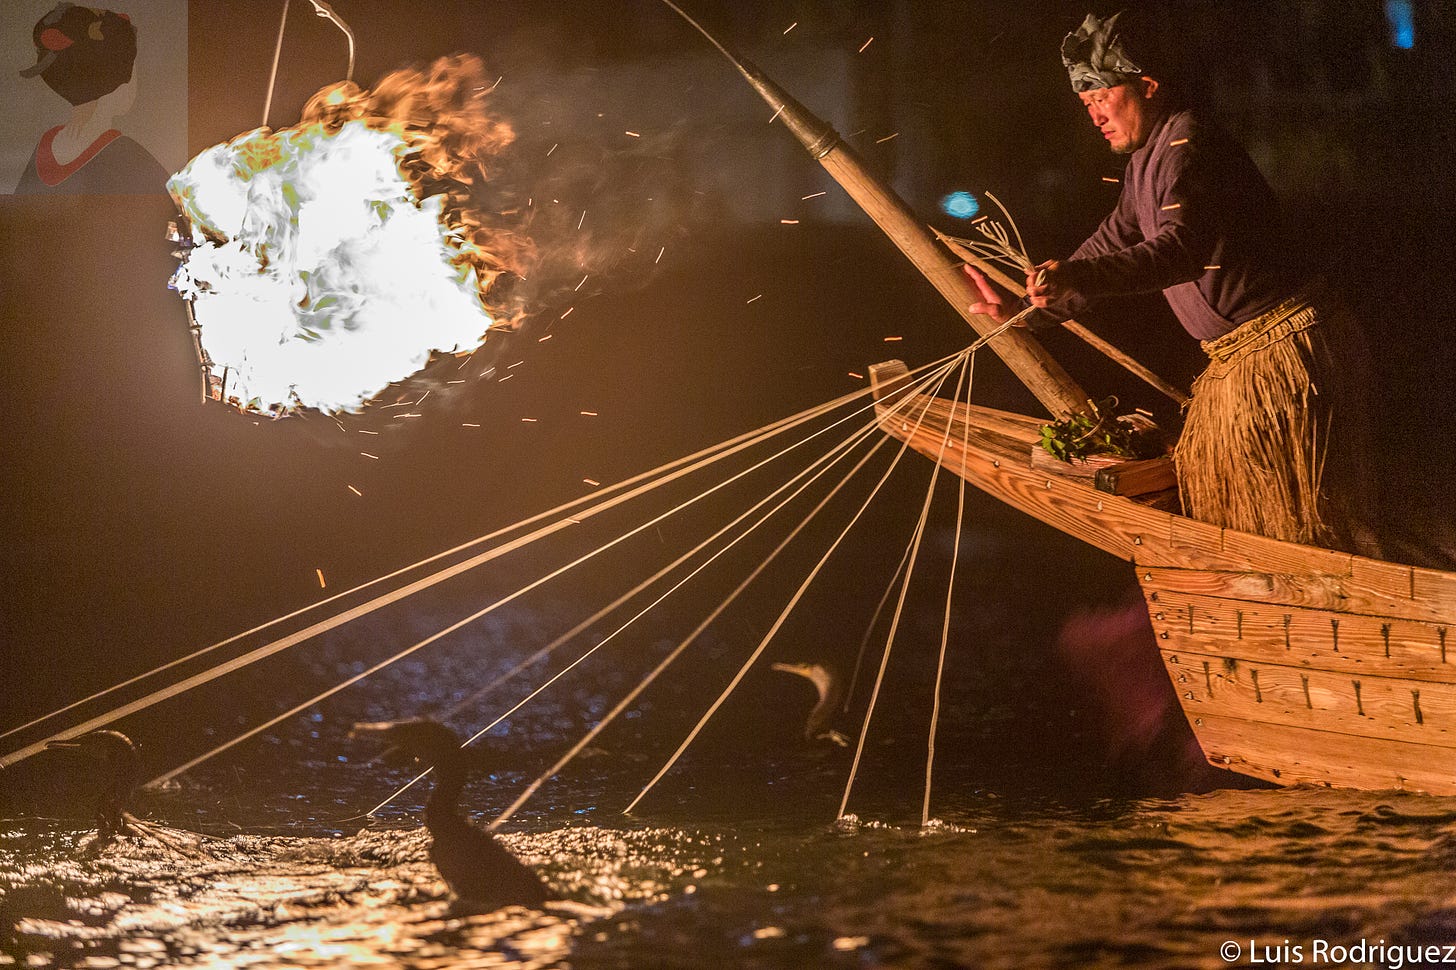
<point>1276,438</point>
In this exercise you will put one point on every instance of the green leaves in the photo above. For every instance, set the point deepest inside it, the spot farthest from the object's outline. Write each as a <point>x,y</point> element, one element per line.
<point>1097,432</point>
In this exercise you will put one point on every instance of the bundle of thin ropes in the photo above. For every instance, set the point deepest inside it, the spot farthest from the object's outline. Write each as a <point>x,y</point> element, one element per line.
<point>515,537</point>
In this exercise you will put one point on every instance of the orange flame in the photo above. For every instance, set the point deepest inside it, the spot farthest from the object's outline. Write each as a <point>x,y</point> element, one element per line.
<point>440,113</point>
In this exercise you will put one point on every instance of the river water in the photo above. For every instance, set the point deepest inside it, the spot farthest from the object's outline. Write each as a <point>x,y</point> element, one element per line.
<point>1045,848</point>
<point>990,883</point>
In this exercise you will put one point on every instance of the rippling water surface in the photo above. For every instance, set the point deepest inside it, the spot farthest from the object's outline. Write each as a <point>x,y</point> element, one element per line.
<point>1037,855</point>
<point>994,882</point>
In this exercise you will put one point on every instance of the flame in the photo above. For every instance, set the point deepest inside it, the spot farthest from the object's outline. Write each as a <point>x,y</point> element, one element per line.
<point>325,261</point>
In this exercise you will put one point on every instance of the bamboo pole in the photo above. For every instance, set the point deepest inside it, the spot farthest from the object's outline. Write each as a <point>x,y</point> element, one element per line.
<point>1097,343</point>
<point>1028,360</point>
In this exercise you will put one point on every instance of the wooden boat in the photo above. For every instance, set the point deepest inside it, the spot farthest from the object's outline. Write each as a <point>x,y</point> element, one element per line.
<point>1293,663</point>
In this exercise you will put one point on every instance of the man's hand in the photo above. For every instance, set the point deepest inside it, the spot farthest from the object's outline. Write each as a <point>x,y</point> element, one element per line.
<point>1042,286</point>
<point>994,303</point>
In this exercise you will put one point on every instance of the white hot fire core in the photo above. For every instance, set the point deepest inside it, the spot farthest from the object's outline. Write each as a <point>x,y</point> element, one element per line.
<point>316,274</point>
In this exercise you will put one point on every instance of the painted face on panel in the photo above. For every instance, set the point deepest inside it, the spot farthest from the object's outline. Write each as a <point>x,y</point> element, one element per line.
<point>1123,113</point>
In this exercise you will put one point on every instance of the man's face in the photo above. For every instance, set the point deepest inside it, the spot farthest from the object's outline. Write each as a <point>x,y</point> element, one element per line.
<point>1123,113</point>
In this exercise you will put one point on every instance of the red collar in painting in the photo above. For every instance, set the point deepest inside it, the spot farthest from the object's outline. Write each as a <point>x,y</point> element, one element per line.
<point>52,172</point>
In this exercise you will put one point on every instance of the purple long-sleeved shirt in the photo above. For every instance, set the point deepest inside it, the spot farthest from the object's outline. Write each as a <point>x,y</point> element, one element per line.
<point>1196,220</point>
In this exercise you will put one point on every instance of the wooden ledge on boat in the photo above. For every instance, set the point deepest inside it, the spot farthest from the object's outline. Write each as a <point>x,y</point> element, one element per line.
<point>1129,477</point>
<point>1108,473</point>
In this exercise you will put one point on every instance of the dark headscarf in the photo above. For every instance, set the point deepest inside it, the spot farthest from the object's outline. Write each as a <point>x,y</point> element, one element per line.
<point>1094,56</point>
<point>83,53</point>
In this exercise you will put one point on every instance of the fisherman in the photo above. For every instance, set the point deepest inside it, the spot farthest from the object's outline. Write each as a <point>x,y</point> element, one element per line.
<point>1274,437</point>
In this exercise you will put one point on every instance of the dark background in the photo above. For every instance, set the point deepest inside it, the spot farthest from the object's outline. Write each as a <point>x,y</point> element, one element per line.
<point>140,524</point>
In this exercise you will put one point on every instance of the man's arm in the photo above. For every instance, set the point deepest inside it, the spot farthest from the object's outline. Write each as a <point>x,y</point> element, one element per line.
<point>1180,249</point>
<point>1116,233</point>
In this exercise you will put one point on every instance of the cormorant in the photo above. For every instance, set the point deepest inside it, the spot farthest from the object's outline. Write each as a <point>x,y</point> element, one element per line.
<point>831,692</point>
<point>473,864</point>
<point>119,769</point>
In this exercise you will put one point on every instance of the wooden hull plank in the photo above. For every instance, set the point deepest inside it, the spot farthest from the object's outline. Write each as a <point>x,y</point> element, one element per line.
<point>1348,644</point>
<point>1294,755</point>
<point>1377,708</point>
<point>1272,555</point>
<point>1271,589</point>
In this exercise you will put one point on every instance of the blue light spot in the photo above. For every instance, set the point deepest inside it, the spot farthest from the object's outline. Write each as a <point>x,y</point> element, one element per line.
<point>1401,17</point>
<point>961,205</point>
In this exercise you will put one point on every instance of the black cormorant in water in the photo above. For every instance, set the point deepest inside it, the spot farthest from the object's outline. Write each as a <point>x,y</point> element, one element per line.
<point>831,692</point>
<point>118,768</point>
<point>476,867</point>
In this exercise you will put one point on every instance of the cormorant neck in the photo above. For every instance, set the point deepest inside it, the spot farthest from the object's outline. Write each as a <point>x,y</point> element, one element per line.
<point>442,803</point>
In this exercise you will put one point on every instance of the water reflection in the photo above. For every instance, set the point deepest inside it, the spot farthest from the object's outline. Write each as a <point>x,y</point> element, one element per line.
<point>281,901</point>
<point>999,882</point>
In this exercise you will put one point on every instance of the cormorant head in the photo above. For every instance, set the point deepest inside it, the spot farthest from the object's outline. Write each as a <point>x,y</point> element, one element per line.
<point>118,759</point>
<point>426,741</point>
<point>108,747</point>
<point>817,674</point>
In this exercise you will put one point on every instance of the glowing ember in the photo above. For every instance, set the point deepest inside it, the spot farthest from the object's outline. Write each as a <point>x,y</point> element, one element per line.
<point>325,261</point>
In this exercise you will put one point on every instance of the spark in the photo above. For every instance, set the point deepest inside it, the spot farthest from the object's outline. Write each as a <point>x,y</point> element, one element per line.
<point>590,414</point>
<point>355,491</point>
<point>529,420</point>
<point>591,481</point>
<point>1178,141</point>
<point>814,196</point>
<point>659,255</point>
<point>881,141</point>
<point>634,134</point>
<point>1109,178</point>
<point>454,382</point>
<point>562,317</point>
<point>755,298</point>
<point>548,155</point>
<point>1214,266</point>
<point>858,377</point>
<point>776,114</point>
<point>322,584</point>
<point>582,283</point>
<point>467,424</point>
<point>506,378</point>
<point>367,455</point>
<point>791,26</point>
<point>515,365</point>
<point>362,431</point>
<point>866,44</point>
<point>497,84</point>
<point>422,398</point>
<point>582,220</point>
<point>1172,205</point>
<point>788,222</point>
<point>543,339</point>
<point>891,339</point>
